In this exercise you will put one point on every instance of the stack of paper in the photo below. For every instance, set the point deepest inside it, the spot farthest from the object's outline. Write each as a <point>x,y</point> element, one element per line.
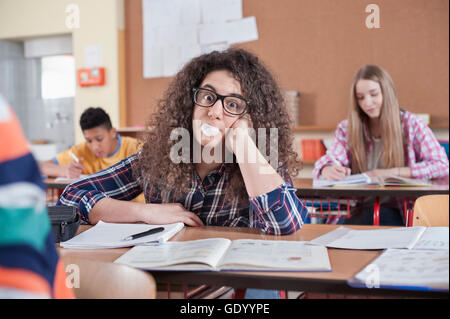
<point>109,235</point>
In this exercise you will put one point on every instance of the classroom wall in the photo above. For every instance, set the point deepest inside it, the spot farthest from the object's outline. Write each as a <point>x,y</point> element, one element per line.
<point>101,22</point>
<point>315,47</point>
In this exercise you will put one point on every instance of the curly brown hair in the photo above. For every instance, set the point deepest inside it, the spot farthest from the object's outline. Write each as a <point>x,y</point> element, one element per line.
<point>266,108</point>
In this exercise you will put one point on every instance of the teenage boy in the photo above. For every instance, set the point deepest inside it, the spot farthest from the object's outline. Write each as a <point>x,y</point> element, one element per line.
<point>103,148</point>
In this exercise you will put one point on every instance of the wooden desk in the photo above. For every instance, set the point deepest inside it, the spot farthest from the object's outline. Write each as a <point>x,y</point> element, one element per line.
<point>306,190</point>
<point>345,264</point>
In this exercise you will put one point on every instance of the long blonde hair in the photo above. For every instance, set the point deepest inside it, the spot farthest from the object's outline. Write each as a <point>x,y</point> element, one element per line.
<point>390,122</point>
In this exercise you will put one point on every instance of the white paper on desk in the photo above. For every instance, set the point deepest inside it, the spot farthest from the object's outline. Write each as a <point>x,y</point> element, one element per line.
<point>345,238</point>
<point>329,237</point>
<point>434,238</point>
<point>70,180</point>
<point>111,235</point>
<point>426,269</point>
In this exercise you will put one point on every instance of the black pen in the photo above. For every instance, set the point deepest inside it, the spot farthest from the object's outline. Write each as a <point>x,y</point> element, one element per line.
<point>145,233</point>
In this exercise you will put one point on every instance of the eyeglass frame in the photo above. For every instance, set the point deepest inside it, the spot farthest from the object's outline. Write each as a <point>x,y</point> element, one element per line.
<point>221,98</point>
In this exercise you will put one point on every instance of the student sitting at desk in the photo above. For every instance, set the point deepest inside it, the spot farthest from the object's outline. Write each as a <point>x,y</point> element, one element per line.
<point>103,148</point>
<point>379,138</point>
<point>210,95</point>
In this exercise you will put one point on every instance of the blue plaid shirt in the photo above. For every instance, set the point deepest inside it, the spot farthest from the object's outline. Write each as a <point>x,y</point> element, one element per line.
<point>278,212</point>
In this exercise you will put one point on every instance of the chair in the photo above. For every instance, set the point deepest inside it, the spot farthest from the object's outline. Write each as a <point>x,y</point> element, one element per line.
<point>104,280</point>
<point>431,210</point>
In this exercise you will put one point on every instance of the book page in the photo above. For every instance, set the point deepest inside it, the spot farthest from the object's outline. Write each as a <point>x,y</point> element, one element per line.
<point>434,238</point>
<point>248,254</point>
<point>356,179</point>
<point>392,180</point>
<point>177,255</point>
<point>401,237</point>
<point>407,268</point>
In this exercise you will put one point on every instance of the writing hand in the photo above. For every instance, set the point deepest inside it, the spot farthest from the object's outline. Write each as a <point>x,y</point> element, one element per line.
<point>74,169</point>
<point>335,172</point>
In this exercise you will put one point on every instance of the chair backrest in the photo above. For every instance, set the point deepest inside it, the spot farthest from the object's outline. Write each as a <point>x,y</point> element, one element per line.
<point>105,280</point>
<point>431,211</point>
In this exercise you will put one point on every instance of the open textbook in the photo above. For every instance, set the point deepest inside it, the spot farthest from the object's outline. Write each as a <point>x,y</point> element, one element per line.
<point>418,237</point>
<point>406,269</point>
<point>216,254</point>
<point>111,235</point>
<point>364,179</point>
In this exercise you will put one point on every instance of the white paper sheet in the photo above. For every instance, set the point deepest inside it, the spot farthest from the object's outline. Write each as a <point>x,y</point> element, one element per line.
<point>175,31</point>
<point>408,268</point>
<point>244,30</point>
<point>111,235</point>
<point>93,56</point>
<point>216,11</point>
<point>399,237</point>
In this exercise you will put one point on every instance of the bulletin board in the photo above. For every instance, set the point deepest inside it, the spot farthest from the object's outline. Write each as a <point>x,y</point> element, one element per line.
<point>316,46</point>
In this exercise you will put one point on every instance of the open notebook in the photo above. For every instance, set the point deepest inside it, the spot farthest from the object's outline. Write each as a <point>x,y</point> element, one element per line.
<point>216,254</point>
<point>364,179</point>
<point>111,235</point>
<point>406,269</point>
<point>419,238</point>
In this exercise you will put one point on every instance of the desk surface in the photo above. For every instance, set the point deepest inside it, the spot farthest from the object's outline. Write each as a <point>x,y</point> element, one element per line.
<point>345,264</point>
<point>305,188</point>
<point>52,183</point>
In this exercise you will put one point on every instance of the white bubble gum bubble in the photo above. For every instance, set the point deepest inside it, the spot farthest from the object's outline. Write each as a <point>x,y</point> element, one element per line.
<point>209,130</point>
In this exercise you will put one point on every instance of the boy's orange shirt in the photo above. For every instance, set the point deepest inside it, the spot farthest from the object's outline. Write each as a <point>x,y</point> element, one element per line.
<point>92,164</point>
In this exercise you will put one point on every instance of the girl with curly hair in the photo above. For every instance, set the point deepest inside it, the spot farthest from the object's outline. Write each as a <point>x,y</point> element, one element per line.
<point>217,100</point>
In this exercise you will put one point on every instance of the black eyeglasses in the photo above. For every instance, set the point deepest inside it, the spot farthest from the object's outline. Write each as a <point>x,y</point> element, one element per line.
<point>231,104</point>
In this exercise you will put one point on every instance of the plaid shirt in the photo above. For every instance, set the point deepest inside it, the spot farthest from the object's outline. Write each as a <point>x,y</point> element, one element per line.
<point>278,212</point>
<point>423,153</point>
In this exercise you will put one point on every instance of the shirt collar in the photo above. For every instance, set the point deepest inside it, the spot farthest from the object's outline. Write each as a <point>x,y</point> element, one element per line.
<point>119,138</point>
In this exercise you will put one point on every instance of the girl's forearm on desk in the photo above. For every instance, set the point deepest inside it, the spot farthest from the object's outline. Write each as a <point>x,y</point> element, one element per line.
<point>116,211</point>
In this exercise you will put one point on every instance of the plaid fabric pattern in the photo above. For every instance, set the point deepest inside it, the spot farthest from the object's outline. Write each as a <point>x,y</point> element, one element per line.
<point>278,212</point>
<point>423,153</point>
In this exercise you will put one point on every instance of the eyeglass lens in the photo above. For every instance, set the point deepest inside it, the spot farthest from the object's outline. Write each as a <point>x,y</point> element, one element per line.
<point>232,104</point>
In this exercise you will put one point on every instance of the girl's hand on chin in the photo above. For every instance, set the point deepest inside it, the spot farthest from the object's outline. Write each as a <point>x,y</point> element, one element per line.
<point>238,131</point>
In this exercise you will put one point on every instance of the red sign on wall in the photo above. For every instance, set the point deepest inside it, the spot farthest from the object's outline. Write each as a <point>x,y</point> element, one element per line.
<point>91,76</point>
